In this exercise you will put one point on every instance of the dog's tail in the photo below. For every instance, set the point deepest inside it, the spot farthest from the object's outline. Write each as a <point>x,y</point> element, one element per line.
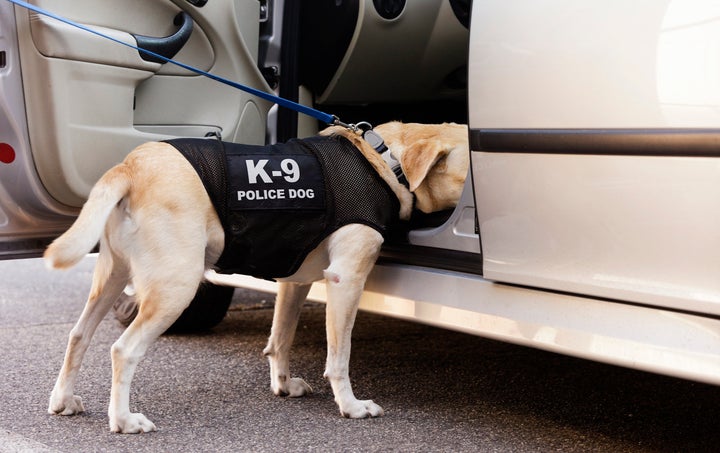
<point>85,233</point>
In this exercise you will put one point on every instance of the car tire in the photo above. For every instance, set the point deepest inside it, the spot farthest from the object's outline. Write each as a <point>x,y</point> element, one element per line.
<point>205,311</point>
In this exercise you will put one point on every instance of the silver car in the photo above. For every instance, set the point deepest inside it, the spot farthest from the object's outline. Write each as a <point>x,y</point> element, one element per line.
<point>590,220</point>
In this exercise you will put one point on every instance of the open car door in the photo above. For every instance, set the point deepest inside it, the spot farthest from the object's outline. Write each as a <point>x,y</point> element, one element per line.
<point>75,103</point>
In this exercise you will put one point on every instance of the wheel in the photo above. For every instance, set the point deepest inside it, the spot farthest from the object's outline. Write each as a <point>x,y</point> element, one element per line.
<point>206,310</point>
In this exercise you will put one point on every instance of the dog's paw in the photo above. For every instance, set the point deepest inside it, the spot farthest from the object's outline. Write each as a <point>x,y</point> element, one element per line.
<point>131,424</point>
<point>361,409</point>
<point>293,387</point>
<point>65,405</point>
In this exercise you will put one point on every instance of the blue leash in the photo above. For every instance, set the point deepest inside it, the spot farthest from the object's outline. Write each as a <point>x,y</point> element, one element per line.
<point>317,114</point>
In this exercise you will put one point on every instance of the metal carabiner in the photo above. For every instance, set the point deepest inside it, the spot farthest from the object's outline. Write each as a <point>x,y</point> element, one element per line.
<point>359,128</point>
<point>363,126</point>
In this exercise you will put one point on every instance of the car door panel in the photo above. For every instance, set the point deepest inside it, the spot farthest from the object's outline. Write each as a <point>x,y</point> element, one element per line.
<point>632,228</point>
<point>89,102</point>
<point>597,172</point>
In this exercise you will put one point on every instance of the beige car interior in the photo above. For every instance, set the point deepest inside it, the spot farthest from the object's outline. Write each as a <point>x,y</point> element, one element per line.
<point>89,101</point>
<point>67,71</point>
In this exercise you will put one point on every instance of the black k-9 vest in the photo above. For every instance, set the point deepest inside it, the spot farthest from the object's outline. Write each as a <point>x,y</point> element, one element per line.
<point>277,203</point>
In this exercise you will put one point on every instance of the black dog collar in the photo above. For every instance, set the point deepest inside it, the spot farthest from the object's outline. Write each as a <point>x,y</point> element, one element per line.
<point>396,167</point>
<point>376,141</point>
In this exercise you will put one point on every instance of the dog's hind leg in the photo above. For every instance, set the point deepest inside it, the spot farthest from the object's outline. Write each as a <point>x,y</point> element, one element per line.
<point>109,279</point>
<point>353,251</point>
<point>288,304</point>
<point>161,299</point>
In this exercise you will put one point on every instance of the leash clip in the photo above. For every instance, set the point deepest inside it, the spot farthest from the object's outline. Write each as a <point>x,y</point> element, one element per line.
<point>351,127</point>
<point>364,129</point>
<point>359,128</point>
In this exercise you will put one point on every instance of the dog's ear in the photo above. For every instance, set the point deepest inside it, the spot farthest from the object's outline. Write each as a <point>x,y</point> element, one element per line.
<point>418,158</point>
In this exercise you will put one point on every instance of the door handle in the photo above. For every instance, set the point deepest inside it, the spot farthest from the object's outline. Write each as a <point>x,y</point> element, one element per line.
<point>167,46</point>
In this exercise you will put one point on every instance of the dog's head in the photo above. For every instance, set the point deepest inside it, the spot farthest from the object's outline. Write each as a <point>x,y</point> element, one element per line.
<point>434,159</point>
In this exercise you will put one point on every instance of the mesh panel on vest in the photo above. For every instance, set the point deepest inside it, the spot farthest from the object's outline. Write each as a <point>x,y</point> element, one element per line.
<point>274,243</point>
<point>360,195</point>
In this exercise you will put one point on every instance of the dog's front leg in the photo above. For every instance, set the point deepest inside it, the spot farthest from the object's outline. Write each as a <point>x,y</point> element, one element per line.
<point>353,251</point>
<point>285,320</point>
<point>340,317</point>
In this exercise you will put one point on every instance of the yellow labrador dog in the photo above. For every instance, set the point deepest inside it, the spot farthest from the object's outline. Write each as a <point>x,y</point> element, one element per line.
<point>159,227</point>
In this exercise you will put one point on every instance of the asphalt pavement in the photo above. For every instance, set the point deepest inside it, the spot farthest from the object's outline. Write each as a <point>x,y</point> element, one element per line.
<point>441,390</point>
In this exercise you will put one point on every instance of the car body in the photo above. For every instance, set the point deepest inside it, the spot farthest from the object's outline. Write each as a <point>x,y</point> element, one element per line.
<point>589,223</point>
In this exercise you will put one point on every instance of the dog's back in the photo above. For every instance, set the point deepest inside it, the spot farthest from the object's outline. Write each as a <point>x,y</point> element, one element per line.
<point>278,202</point>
